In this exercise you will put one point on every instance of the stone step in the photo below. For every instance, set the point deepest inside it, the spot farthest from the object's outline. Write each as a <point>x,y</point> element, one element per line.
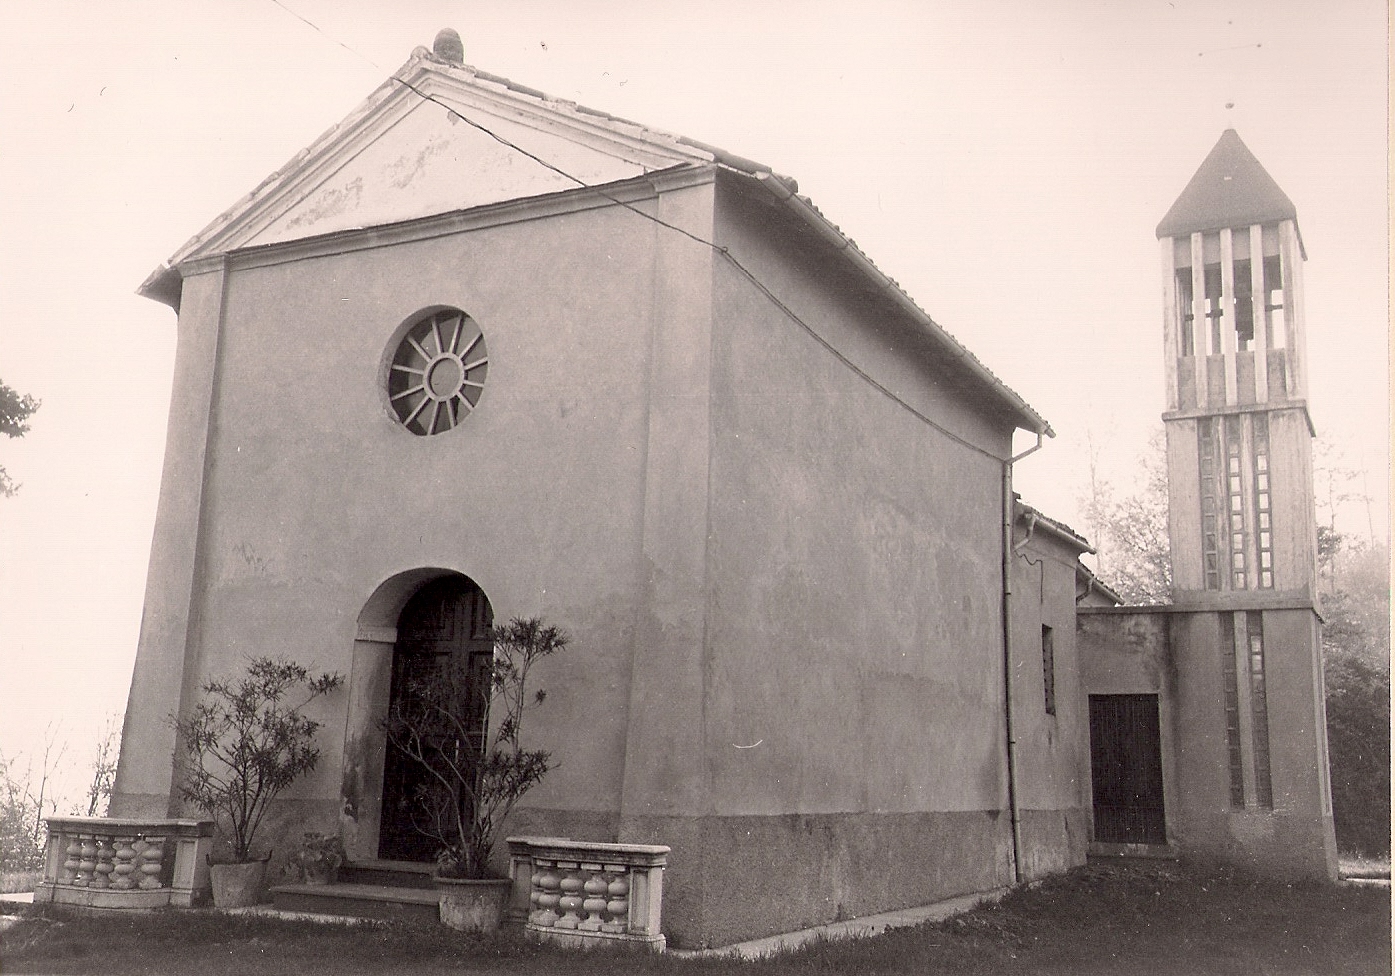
<point>359,901</point>
<point>393,874</point>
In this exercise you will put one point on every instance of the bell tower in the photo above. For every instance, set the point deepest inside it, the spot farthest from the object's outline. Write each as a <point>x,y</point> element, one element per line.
<point>1242,521</point>
<point>1242,528</point>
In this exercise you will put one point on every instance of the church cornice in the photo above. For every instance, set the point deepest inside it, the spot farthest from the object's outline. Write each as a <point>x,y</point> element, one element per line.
<point>1282,406</point>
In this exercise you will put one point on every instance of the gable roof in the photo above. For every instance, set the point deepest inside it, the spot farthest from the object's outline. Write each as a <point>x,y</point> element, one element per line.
<point>323,190</point>
<point>1230,189</point>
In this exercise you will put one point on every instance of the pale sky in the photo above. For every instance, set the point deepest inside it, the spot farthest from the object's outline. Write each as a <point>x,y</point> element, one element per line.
<point>1005,161</point>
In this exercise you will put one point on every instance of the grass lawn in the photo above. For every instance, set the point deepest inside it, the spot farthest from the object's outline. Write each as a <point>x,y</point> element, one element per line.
<point>1148,918</point>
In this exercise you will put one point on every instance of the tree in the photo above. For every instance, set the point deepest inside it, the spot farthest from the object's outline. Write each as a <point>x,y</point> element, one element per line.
<point>15,411</point>
<point>19,849</point>
<point>1356,669</point>
<point>28,796</point>
<point>1358,748</point>
<point>1130,529</point>
<point>103,769</point>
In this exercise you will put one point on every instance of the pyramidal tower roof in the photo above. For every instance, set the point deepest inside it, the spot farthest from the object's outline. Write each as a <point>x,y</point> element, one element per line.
<point>1230,189</point>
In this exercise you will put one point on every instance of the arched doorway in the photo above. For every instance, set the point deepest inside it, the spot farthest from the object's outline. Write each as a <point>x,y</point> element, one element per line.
<point>447,616</point>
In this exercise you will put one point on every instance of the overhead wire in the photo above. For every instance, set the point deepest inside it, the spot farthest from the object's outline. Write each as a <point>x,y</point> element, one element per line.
<point>728,256</point>
<point>715,247</point>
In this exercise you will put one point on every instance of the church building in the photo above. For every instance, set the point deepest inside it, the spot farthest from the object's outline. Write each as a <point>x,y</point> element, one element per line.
<point>478,353</point>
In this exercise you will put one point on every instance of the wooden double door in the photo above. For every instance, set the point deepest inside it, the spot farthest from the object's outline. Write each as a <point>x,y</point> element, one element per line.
<point>447,617</point>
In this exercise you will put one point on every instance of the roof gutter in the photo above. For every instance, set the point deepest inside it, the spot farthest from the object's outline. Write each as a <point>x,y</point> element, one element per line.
<point>781,188</point>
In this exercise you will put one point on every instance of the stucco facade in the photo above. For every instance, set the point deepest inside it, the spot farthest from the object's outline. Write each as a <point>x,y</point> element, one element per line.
<point>763,493</point>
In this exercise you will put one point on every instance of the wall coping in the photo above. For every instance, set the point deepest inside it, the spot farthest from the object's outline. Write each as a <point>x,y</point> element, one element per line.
<point>565,848</point>
<point>113,825</point>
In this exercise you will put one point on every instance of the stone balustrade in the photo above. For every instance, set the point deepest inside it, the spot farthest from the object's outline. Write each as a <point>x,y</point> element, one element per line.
<point>102,862</point>
<point>583,894</point>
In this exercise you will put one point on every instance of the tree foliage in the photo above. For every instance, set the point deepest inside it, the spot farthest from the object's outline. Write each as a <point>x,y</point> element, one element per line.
<point>1356,664</point>
<point>21,847</point>
<point>244,743</point>
<point>103,767</point>
<point>1129,529</point>
<point>15,411</point>
<point>1358,747</point>
<point>475,772</point>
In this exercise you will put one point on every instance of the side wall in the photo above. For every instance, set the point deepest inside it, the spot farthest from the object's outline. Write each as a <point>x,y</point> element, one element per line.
<point>144,773</point>
<point>1053,748</point>
<point>851,681</point>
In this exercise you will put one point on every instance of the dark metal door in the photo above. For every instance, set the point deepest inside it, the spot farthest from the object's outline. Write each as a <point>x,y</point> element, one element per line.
<point>1126,767</point>
<point>450,616</point>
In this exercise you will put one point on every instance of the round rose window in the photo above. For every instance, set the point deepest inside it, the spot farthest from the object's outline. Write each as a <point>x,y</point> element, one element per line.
<point>438,371</point>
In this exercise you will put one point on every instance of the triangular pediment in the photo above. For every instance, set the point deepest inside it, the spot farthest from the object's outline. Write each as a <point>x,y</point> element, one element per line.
<point>437,138</point>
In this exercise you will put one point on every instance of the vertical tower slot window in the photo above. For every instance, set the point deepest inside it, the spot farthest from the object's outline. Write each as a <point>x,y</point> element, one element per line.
<point>1244,306</point>
<point>1214,308</point>
<point>1048,668</point>
<point>1208,449</point>
<point>1274,302</point>
<point>1259,707</point>
<point>1263,512</point>
<point>1231,680</point>
<point>1236,507</point>
<point>1187,344</point>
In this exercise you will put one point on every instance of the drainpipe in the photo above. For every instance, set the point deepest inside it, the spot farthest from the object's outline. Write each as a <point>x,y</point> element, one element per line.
<point>1008,518</point>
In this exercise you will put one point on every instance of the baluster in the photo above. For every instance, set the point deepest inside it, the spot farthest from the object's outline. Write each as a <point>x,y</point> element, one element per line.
<point>546,894</point>
<point>124,857</point>
<point>74,858</point>
<point>618,907</point>
<point>101,877</point>
<point>595,889</point>
<point>87,856</point>
<point>150,862</point>
<point>570,901</point>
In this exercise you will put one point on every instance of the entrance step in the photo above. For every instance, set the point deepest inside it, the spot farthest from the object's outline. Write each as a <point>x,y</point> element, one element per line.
<point>393,874</point>
<point>359,901</point>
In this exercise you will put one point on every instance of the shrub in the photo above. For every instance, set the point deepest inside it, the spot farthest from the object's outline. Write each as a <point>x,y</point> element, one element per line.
<point>473,779</point>
<point>1358,743</point>
<point>244,744</point>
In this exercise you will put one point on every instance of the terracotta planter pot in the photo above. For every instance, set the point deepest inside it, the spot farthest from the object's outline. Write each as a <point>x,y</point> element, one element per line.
<point>469,905</point>
<point>319,872</point>
<point>238,885</point>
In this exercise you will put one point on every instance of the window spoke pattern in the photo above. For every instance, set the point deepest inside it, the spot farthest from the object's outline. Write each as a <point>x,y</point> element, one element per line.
<point>438,372</point>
